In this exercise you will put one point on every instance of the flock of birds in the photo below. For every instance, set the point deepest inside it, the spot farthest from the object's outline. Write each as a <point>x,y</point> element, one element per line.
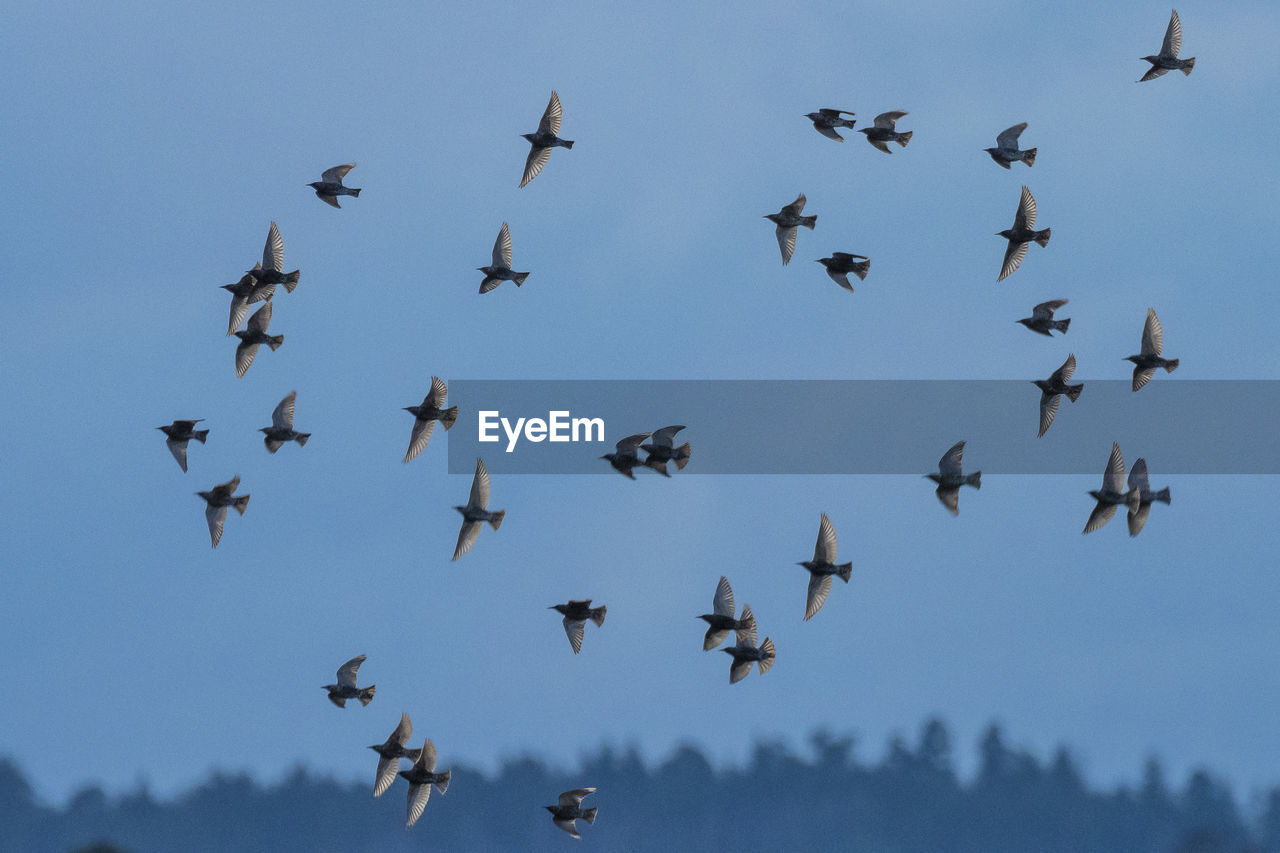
<point>259,285</point>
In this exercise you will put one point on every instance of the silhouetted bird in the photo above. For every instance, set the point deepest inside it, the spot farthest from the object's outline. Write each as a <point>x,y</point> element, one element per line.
<point>567,811</point>
<point>281,429</point>
<point>787,220</point>
<point>330,186</point>
<point>271,270</point>
<point>1021,234</point>
<point>178,434</point>
<point>426,415</point>
<point>746,653</point>
<point>951,477</point>
<point>346,687</point>
<point>822,567</point>
<point>624,458</point>
<point>244,293</point>
<point>1167,59</point>
<point>1006,150</point>
<point>1146,497</point>
<point>1051,390</point>
<point>254,335</point>
<point>475,513</point>
<point>826,120</point>
<point>390,753</point>
<point>883,132</point>
<point>1041,320</point>
<point>1146,362</point>
<point>1112,493</point>
<point>840,264</point>
<point>576,614</point>
<point>544,140</point>
<point>663,450</point>
<point>218,499</point>
<point>421,778</point>
<point>720,621</point>
<point>500,270</point>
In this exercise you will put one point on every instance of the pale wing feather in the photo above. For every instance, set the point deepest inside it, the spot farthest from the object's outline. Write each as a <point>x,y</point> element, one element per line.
<point>418,438</point>
<point>574,629</point>
<point>1102,513</point>
<point>1008,138</point>
<point>336,174</point>
<point>273,252</point>
<point>216,516</point>
<point>282,417</point>
<point>551,117</point>
<point>951,460</point>
<point>502,247</point>
<point>179,451</point>
<point>439,392</point>
<point>1013,257</point>
<point>480,486</point>
<point>787,242</point>
<point>387,769</point>
<point>537,158</point>
<point>825,549</point>
<point>347,672</point>
<point>1113,476</point>
<point>575,797</point>
<point>1138,477</point>
<point>1026,215</point>
<point>419,793</point>
<point>1152,334</point>
<point>1048,411</point>
<point>261,318</point>
<point>723,602</point>
<point>886,120</point>
<point>1172,36</point>
<point>819,589</point>
<point>466,537</point>
<point>245,354</point>
<point>1068,369</point>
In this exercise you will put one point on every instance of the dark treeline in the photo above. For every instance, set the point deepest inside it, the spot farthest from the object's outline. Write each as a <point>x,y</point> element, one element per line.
<point>910,801</point>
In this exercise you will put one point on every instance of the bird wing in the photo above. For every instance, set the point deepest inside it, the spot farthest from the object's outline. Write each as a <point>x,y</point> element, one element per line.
<point>1142,376</point>
<point>1063,374</point>
<point>629,445</point>
<point>215,515</point>
<point>665,437</point>
<point>228,488</point>
<point>419,437</point>
<point>1138,477</point>
<point>722,604</point>
<point>739,669</point>
<point>179,451</point>
<point>1044,311</point>
<point>404,731</point>
<point>273,252</point>
<point>1113,476</point>
<point>480,487</point>
<point>1048,411</point>
<point>1025,218</point>
<point>282,417</point>
<point>239,308</point>
<point>419,793</point>
<point>336,174</point>
<point>748,633</point>
<point>841,279</point>
<point>949,496</point>
<point>1138,518</point>
<point>833,113</point>
<point>1172,36</point>
<point>538,157</point>
<point>881,144</point>
<point>569,825</point>
<point>347,672</point>
<point>1013,257</point>
<point>427,757</point>
<point>576,796</point>
<point>439,392</point>
<point>1008,138</point>
<point>713,638</point>
<point>825,550</point>
<point>819,589</point>
<point>331,200</point>
<point>1102,513</point>
<point>950,461</point>
<point>786,242</point>
<point>886,120</point>
<point>244,357</point>
<point>261,319</point>
<point>828,132</point>
<point>1156,71</point>
<point>551,118</point>
<point>502,247</point>
<point>1152,334</point>
<point>795,208</point>
<point>574,629</point>
<point>386,774</point>
<point>466,537</point>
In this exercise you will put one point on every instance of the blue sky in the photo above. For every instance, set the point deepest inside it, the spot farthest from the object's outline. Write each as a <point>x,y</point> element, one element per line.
<point>149,146</point>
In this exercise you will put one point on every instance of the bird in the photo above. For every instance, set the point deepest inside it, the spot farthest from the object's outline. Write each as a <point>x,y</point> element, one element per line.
<point>390,753</point>
<point>330,186</point>
<point>346,687</point>
<point>787,220</point>
<point>822,567</point>
<point>281,429</point>
<point>1021,234</point>
<point>1006,150</point>
<point>883,132</point>
<point>541,143</point>
<point>1041,320</point>
<point>244,293</point>
<point>218,499</point>
<point>255,333</point>
<point>500,270</point>
<point>1112,493</point>
<point>568,810</point>
<point>1146,362</point>
<point>271,270</point>
<point>720,620</point>
<point>1051,390</point>
<point>426,415</point>
<point>951,477</point>
<point>624,457</point>
<point>1167,59</point>
<point>826,120</point>
<point>746,653</point>
<point>475,513</point>
<point>422,777</point>
<point>576,614</point>
<point>178,434</point>
<point>840,264</point>
<point>1146,497</point>
<point>663,450</point>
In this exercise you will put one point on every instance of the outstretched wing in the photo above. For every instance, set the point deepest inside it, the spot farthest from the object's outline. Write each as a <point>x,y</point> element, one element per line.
<point>1026,216</point>
<point>722,605</point>
<point>1113,476</point>
<point>386,774</point>
<point>795,208</point>
<point>786,242</point>
<point>575,797</point>
<point>419,437</point>
<point>261,319</point>
<point>1172,36</point>
<point>665,437</point>
<point>825,550</point>
<point>336,174</point>
<point>347,672</point>
<point>538,157</point>
<point>215,515</point>
<point>949,464</point>
<point>1013,257</point>
<point>629,445</point>
<point>179,451</point>
<point>819,589</point>
<point>466,537</point>
<point>1008,138</point>
<point>282,417</point>
<point>480,486</point>
<point>551,118</point>
<point>575,628</point>
<point>1048,411</point>
<point>1152,334</point>
<point>886,120</point>
<point>1138,477</point>
<point>502,246</point>
<point>1044,311</point>
<point>439,392</point>
<point>273,252</point>
<point>1063,374</point>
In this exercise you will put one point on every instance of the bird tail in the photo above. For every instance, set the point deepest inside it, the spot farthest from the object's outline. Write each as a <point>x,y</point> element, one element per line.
<point>366,695</point>
<point>809,221</point>
<point>1191,63</point>
<point>448,416</point>
<point>861,269</point>
<point>519,278</point>
<point>1171,365</point>
<point>1029,156</point>
<point>1162,495</point>
<point>597,614</point>
<point>848,122</point>
<point>241,504</point>
<point>845,571</point>
<point>904,138</point>
<point>567,143</point>
<point>442,784</point>
<point>302,438</point>
<point>275,342</point>
<point>974,479</point>
<point>200,435</point>
<point>355,191</point>
<point>589,815</point>
<point>767,654</point>
<point>683,452</point>
<point>1042,237</point>
<point>1073,391</point>
<point>496,521</point>
<point>291,280</point>
<point>1061,325</point>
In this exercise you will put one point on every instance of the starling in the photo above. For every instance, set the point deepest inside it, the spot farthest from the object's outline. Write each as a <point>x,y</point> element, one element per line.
<point>840,264</point>
<point>1052,388</point>
<point>1006,150</point>
<point>720,621</point>
<point>745,653</point>
<point>178,434</point>
<point>271,271</point>
<point>500,270</point>
<point>329,187</point>
<point>576,614</point>
<point>883,132</point>
<point>821,568</point>
<point>951,477</point>
<point>1146,362</point>
<point>663,450</point>
<point>1112,493</point>
<point>475,514</point>
<point>787,220</point>
<point>1167,59</point>
<point>218,499</point>
<point>281,429</point>
<point>624,458</point>
<point>346,687</point>
<point>426,415</point>
<point>826,120</point>
<point>544,140</point>
<point>567,811</point>
<point>1022,233</point>
<point>390,753</point>
<point>1146,497</point>
<point>422,777</point>
<point>1041,320</point>
<point>244,293</point>
<point>254,335</point>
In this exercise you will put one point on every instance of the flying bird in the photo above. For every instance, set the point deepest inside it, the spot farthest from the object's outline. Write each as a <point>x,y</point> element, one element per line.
<point>1006,150</point>
<point>330,185</point>
<point>720,620</point>
<point>1021,235</point>
<point>787,220</point>
<point>624,457</point>
<point>476,512</point>
<point>178,434</point>
<point>281,429</point>
<point>840,264</point>
<point>1167,60</point>
<point>576,614</point>
<point>1146,497</point>
<point>746,653</point>
<point>426,415</point>
<point>541,143</point>
<point>1051,390</point>
<point>254,335</point>
<point>218,499</point>
<point>1041,320</point>
<point>422,777</point>
<point>390,753</point>
<point>663,450</point>
<point>1112,493</point>
<point>826,120</point>
<point>951,477</point>
<point>500,270</point>
<point>346,687</point>
<point>883,132</point>
<point>821,568</point>
<point>271,270</point>
<point>244,293</point>
<point>1146,362</point>
<point>568,810</point>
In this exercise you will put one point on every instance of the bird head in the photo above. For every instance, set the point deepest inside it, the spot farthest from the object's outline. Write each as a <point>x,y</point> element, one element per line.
<point>315,185</point>
<point>528,136</point>
<point>461,509</point>
<point>1133,358</point>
